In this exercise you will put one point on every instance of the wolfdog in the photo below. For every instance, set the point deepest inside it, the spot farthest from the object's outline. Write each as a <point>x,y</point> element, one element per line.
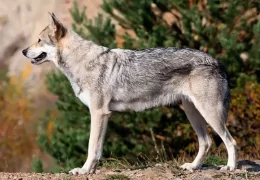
<point>109,80</point>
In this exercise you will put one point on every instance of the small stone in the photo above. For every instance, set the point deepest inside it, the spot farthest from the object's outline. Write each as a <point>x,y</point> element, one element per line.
<point>158,165</point>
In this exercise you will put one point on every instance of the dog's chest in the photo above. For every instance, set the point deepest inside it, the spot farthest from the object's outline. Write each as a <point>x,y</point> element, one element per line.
<point>82,94</point>
<point>84,97</point>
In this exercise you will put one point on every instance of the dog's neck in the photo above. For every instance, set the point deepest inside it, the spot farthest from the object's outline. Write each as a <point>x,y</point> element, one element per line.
<point>70,45</point>
<point>74,50</point>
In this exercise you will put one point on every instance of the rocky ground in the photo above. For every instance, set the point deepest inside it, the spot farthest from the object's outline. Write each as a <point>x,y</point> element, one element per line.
<point>246,170</point>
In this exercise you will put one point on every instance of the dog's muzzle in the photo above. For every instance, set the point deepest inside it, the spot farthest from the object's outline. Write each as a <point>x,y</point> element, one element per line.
<point>37,59</point>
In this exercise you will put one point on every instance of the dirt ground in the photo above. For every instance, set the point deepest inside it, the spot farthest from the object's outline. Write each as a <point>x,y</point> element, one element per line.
<point>246,170</point>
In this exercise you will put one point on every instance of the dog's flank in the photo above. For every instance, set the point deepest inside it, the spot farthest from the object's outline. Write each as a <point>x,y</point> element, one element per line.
<point>118,79</point>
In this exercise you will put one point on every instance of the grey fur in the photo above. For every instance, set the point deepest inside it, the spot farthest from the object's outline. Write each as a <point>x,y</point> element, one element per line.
<point>119,79</point>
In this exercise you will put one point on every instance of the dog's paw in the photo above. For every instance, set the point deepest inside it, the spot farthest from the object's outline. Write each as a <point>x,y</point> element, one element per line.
<point>78,171</point>
<point>189,167</point>
<point>228,168</point>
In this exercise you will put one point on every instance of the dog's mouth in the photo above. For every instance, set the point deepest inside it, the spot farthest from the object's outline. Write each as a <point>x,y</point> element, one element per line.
<point>39,58</point>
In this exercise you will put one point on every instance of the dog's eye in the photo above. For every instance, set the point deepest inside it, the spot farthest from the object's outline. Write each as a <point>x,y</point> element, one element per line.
<point>39,40</point>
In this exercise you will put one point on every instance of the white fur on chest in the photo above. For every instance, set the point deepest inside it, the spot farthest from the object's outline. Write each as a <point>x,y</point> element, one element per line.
<point>82,94</point>
<point>84,97</point>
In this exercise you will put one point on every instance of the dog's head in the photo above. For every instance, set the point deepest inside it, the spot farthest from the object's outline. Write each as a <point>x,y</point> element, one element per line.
<point>46,47</point>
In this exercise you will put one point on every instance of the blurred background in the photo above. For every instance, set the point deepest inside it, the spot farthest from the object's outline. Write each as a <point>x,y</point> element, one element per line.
<point>43,127</point>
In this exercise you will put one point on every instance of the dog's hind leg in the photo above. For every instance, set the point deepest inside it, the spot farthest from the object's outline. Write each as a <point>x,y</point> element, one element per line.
<point>215,114</point>
<point>199,125</point>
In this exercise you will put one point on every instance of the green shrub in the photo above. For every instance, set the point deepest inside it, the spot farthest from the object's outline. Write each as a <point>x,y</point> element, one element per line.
<point>214,161</point>
<point>37,166</point>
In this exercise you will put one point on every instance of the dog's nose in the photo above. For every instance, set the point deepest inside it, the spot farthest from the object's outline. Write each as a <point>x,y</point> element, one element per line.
<point>24,52</point>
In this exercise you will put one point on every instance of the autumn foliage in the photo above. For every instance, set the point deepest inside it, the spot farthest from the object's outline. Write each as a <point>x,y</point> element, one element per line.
<point>17,130</point>
<point>244,121</point>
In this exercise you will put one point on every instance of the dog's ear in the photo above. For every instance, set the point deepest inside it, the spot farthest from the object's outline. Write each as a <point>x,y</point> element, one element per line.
<point>57,30</point>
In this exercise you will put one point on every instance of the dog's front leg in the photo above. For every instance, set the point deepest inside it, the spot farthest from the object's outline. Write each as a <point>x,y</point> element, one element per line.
<point>99,120</point>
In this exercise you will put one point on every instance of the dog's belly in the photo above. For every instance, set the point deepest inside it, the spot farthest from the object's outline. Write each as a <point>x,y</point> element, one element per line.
<point>141,104</point>
<point>120,106</point>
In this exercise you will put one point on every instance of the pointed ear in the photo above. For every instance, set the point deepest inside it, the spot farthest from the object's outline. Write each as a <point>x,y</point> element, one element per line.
<point>57,30</point>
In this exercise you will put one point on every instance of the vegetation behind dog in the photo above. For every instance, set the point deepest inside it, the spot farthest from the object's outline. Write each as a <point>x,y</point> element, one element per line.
<point>229,31</point>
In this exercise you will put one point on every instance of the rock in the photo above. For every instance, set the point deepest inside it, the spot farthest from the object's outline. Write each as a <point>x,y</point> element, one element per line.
<point>20,23</point>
